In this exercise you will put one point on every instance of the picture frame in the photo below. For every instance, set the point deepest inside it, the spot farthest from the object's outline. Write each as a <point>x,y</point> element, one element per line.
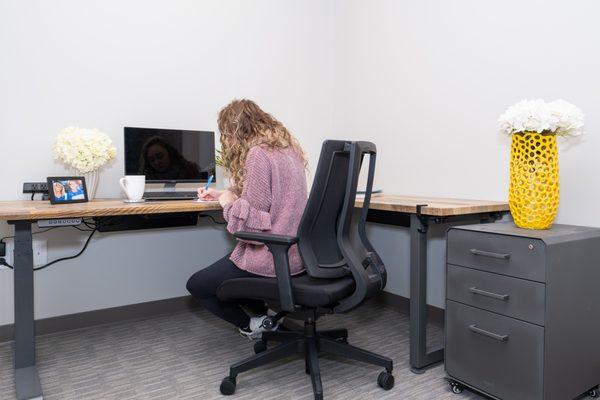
<point>67,189</point>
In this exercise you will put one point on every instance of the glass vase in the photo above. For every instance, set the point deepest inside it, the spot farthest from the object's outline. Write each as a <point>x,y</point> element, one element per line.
<point>92,179</point>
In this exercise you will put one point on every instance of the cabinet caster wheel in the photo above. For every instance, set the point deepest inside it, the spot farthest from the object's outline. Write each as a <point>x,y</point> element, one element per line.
<point>594,393</point>
<point>456,387</point>
<point>227,386</point>
<point>259,347</point>
<point>385,380</point>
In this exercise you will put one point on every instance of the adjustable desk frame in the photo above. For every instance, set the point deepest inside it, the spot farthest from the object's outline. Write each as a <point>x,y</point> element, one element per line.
<point>23,214</point>
<point>418,223</point>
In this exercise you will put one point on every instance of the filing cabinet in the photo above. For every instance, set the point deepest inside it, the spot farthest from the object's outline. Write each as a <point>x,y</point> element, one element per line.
<point>523,311</point>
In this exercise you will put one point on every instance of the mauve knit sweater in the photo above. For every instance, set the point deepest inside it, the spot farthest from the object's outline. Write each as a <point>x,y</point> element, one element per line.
<point>273,200</point>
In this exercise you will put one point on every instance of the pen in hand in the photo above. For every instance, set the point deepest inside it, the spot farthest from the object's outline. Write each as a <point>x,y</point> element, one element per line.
<point>210,179</point>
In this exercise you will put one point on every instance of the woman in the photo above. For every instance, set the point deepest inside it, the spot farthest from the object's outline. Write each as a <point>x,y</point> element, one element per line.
<point>268,194</point>
<point>162,161</point>
<point>75,191</point>
<point>59,191</point>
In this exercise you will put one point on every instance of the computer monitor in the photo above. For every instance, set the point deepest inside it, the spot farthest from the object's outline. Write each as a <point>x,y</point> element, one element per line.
<point>169,156</point>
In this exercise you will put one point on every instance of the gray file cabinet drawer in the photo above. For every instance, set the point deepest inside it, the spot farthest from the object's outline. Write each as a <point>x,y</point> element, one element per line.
<point>502,254</point>
<point>500,355</point>
<point>513,297</point>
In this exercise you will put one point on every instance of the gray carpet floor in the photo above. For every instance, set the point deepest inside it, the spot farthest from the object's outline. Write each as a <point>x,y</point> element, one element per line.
<point>185,356</point>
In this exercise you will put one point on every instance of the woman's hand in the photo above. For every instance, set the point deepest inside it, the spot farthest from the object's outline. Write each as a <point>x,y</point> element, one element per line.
<point>209,194</point>
<point>227,197</point>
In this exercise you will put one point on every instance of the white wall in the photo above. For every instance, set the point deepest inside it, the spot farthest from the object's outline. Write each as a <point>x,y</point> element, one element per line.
<point>425,80</point>
<point>109,64</point>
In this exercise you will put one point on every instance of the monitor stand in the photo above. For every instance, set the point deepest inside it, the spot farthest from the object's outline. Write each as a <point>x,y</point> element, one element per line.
<point>169,193</point>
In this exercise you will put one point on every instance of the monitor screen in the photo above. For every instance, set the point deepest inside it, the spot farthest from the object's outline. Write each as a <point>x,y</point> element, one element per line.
<point>169,155</point>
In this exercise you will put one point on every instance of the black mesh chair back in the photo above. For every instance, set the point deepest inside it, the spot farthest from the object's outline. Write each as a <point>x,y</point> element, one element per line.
<point>342,271</point>
<point>332,237</point>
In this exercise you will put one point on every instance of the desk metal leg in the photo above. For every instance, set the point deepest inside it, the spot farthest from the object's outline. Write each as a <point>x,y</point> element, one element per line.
<point>419,357</point>
<point>27,380</point>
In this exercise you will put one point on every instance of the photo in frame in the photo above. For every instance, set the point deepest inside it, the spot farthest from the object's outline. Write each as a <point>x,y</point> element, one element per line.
<point>67,189</point>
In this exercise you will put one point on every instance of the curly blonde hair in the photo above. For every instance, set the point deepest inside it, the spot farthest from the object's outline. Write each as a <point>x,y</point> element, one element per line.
<point>243,125</point>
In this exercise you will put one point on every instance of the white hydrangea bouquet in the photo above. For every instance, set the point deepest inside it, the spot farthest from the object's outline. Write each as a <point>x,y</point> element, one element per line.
<point>557,117</point>
<point>85,151</point>
<point>534,179</point>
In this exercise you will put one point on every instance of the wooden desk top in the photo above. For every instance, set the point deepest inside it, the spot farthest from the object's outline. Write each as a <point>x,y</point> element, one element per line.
<point>33,210</point>
<point>436,206</point>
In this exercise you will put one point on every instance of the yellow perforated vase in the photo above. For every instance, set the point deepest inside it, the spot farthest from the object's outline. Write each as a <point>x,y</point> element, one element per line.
<point>534,182</point>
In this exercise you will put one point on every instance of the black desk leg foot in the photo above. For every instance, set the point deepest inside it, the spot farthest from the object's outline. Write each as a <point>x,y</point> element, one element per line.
<point>27,380</point>
<point>418,371</point>
<point>419,358</point>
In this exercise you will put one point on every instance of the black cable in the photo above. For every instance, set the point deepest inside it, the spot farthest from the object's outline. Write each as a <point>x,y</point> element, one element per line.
<point>81,229</point>
<point>93,229</point>
<point>70,257</point>
<point>33,233</point>
<point>4,263</point>
<point>90,225</point>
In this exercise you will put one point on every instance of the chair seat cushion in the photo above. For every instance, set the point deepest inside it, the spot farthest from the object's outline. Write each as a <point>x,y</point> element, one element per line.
<point>308,292</point>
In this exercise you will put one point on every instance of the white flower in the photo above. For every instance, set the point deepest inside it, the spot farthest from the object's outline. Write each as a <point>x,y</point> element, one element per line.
<point>570,118</point>
<point>558,117</point>
<point>83,149</point>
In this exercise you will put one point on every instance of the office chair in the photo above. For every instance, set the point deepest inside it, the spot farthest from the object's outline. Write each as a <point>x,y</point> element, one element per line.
<point>342,270</point>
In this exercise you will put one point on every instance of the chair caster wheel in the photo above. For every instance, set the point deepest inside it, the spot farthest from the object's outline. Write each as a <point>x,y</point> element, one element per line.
<point>227,386</point>
<point>456,387</point>
<point>259,347</point>
<point>594,393</point>
<point>385,380</point>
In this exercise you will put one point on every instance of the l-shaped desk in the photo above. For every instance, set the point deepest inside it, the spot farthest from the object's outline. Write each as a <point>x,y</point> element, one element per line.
<point>416,213</point>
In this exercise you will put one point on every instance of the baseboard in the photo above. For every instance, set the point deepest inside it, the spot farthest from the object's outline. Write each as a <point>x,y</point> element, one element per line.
<point>104,316</point>
<point>402,304</point>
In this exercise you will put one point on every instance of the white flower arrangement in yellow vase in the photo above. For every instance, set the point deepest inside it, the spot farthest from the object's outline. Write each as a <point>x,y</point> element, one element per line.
<point>534,192</point>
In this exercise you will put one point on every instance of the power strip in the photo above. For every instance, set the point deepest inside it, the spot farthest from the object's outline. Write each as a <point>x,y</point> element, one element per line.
<point>48,223</point>
<point>35,187</point>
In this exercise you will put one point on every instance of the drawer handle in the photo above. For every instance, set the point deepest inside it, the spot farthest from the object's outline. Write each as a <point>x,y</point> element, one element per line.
<point>492,335</point>
<point>502,256</point>
<point>485,293</point>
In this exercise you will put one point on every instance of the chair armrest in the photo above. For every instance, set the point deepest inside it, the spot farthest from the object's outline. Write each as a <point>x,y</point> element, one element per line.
<point>278,245</point>
<point>266,238</point>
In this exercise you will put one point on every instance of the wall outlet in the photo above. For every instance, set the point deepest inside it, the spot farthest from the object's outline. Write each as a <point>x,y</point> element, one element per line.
<point>40,252</point>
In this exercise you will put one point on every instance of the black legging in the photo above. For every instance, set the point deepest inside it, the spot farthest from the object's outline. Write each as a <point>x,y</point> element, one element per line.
<point>203,286</point>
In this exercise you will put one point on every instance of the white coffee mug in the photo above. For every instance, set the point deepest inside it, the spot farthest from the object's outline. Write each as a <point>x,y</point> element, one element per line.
<point>133,186</point>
